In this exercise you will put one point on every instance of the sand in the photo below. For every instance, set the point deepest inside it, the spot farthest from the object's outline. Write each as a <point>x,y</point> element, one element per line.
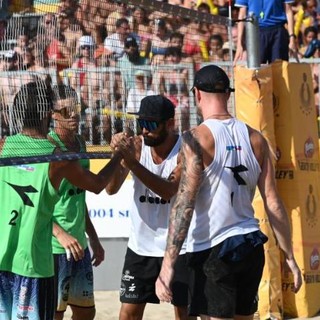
<point>108,306</point>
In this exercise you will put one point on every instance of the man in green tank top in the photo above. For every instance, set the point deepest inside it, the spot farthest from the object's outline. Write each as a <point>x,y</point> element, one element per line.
<point>71,222</point>
<point>28,196</point>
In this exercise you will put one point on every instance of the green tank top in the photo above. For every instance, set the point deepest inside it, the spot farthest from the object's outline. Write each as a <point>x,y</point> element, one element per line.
<point>27,202</point>
<point>69,212</point>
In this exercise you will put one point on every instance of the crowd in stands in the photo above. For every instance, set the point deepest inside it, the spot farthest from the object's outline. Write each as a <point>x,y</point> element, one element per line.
<point>149,52</point>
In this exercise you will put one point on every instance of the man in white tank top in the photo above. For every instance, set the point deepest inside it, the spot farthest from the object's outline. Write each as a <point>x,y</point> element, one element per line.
<point>153,159</point>
<point>223,161</point>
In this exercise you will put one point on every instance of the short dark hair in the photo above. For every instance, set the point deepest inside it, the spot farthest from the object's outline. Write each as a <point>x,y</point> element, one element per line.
<point>32,103</point>
<point>216,37</point>
<point>121,21</point>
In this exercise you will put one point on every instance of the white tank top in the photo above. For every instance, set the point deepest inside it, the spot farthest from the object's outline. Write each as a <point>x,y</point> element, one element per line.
<point>149,213</point>
<point>224,202</point>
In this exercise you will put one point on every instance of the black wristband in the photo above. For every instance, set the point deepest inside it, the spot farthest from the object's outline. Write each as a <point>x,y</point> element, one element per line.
<point>292,35</point>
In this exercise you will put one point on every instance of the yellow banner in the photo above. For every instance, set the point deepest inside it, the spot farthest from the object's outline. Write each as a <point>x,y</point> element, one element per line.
<point>297,173</point>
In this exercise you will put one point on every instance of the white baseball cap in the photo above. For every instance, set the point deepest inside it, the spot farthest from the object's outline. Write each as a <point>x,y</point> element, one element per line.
<point>86,41</point>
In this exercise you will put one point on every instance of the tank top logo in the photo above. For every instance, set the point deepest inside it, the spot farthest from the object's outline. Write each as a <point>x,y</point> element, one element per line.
<point>233,148</point>
<point>149,198</point>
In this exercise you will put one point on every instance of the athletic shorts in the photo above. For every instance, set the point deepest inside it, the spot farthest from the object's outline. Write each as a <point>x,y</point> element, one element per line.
<point>139,276</point>
<point>74,281</point>
<point>223,288</point>
<point>25,297</point>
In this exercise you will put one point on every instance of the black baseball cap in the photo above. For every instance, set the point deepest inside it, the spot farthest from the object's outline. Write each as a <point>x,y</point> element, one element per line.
<point>130,42</point>
<point>212,79</point>
<point>155,108</point>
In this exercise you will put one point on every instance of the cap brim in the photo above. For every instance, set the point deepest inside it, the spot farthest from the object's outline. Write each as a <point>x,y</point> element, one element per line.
<point>228,90</point>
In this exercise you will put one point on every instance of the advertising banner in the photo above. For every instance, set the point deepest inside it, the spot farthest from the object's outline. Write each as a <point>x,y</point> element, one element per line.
<point>110,214</point>
<point>297,173</point>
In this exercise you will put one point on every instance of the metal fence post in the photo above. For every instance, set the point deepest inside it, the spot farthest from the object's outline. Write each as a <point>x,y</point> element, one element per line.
<point>253,42</point>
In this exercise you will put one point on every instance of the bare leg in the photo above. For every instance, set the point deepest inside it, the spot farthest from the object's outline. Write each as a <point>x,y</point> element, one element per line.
<point>79,313</point>
<point>131,311</point>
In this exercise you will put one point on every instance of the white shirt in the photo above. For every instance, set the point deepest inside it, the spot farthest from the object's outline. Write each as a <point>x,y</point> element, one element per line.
<point>149,213</point>
<point>224,202</point>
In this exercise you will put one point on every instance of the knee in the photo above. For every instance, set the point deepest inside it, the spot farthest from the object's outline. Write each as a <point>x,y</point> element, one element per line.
<point>131,312</point>
<point>83,313</point>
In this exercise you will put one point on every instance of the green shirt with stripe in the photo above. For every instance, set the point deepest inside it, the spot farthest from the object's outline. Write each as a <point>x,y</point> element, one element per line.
<point>27,202</point>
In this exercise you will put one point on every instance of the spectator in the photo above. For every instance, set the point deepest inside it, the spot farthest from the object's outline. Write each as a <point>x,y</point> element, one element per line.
<point>141,27</point>
<point>120,12</point>
<point>22,43</point>
<point>114,44</point>
<point>59,54</point>
<point>84,80</point>
<point>160,40</point>
<point>226,52</point>
<point>215,48</point>
<point>129,61</point>
<point>176,40</point>
<point>138,91</point>
<point>310,46</point>
<point>196,38</point>
<point>173,81</point>
<point>275,39</point>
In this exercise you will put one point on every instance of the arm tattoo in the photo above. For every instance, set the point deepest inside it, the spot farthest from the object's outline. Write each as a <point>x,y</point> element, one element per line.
<point>191,177</point>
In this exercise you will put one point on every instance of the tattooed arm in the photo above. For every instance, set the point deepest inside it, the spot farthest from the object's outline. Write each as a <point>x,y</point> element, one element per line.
<point>181,214</point>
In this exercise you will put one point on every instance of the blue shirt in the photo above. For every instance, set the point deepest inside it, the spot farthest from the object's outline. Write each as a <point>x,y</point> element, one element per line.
<point>270,13</point>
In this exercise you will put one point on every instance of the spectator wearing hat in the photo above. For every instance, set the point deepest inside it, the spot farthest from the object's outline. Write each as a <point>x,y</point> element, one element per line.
<point>139,90</point>
<point>88,81</point>
<point>223,162</point>
<point>154,161</point>
<point>85,60</point>
<point>131,60</point>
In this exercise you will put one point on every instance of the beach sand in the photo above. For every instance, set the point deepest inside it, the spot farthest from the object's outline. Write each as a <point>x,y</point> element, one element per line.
<point>108,306</point>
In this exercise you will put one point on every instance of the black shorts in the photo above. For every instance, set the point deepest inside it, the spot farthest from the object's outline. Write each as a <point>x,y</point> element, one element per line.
<point>222,288</point>
<point>139,276</point>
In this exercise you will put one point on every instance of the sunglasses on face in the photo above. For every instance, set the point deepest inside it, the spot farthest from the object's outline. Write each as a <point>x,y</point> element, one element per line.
<point>85,47</point>
<point>147,124</point>
<point>67,112</point>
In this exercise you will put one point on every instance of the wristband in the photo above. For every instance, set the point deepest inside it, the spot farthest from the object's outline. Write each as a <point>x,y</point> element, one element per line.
<point>292,35</point>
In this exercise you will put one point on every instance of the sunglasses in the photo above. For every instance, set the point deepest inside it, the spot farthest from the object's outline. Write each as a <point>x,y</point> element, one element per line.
<point>85,47</point>
<point>148,124</point>
<point>67,112</point>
